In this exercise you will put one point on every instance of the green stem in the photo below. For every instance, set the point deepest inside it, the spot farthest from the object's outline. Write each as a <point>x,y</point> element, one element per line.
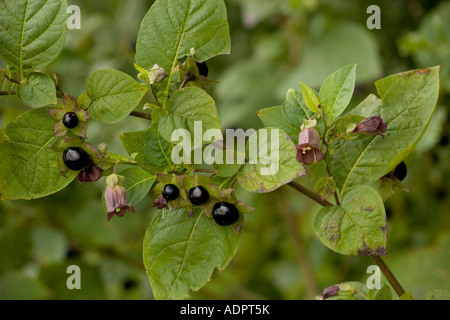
<point>309,193</point>
<point>140,114</point>
<point>389,275</point>
<point>7,93</point>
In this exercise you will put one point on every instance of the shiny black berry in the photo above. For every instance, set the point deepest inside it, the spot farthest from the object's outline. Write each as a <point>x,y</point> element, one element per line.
<point>198,195</point>
<point>400,171</point>
<point>225,213</point>
<point>76,158</point>
<point>202,69</point>
<point>70,120</point>
<point>170,192</point>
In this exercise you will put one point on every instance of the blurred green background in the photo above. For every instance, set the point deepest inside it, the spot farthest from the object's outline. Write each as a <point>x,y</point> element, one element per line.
<point>275,45</point>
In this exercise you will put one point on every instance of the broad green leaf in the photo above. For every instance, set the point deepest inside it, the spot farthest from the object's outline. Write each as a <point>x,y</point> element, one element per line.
<point>275,117</point>
<point>295,108</point>
<point>406,296</point>
<point>158,151</point>
<point>138,183</point>
<point>172,28</point>
<point>133,143</point>
<point>181,252</point>
<point>310,98</point>
<point>408,101</point>
<point>114,95</point>
<point>29,169</point>
<point>38,91</point>
<point>231,163</point>
<point>325,187</point>
<point>337,90</point>
<point>186,107</point>
<point>32,32</point>
<point>357,226</point>
<point>384,293</point>
<point>272,162</point>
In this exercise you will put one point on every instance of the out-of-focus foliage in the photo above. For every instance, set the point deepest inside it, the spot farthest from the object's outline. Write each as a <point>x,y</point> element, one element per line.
<point>275,45</point>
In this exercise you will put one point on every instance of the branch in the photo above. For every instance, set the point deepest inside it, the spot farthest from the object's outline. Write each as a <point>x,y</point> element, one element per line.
<point>389,275</point>
<point>310,194</point>
<point>302,256</point>
<point>142,115</point>
<point>379,262</point>
<point>7,93</point>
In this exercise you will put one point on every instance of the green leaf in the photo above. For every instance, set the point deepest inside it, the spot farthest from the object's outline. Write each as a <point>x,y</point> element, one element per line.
<point>337,90</point>
<point>275,117</point>
<point>310,98</point>
<point>133,143</point>
<point>187,106</point>
<point>384,293</point>
<point>406,296</point>
<point>232,167</point>
<point>29,169</point>
<point>138,183</point>
<point>325,187</point>
<point>38,91</point>
<point>408,103</point>
<point>32,32</point>
<point>277,167</point>
<point>295,108</point>
<point>440,294</point>
<point>181,252</point>
<point>357,226</point>
<point>158,151</point>
<point>114,95</point>
<point>172,28</point>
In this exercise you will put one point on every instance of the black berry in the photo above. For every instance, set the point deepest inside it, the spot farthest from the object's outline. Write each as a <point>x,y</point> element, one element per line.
<point>170,192</point>
<point>198,195</point>
<point>225,213</point>
<point>202,69</point>
<point>70,120</point>
<point>400,171</point>
<point>76,158</point>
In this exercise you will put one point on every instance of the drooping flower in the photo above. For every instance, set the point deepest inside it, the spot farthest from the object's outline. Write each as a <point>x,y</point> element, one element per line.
<point>116,197</point>
<point>371,126</point>
<point>308,149</point>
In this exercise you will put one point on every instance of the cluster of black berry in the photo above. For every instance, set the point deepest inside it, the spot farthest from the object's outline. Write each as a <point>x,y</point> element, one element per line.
<point>224,213</point>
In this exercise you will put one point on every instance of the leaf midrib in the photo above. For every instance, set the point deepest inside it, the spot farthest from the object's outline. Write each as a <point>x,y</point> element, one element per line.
<point>185,252</point>
<point>22,40</point>
<point>180,41</point>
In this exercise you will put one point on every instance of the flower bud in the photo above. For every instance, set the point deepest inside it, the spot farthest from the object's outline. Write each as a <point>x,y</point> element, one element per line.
<point>116,197</point>
<point>308,149</point>
<point>156,74</point>
<point>371,126</point>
